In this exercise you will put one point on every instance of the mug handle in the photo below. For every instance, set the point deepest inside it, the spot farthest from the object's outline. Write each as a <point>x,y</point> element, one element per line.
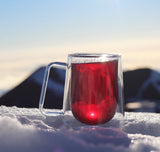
<point>54,112</point>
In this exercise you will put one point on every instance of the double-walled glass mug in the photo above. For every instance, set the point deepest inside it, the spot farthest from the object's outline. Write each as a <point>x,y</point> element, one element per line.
<point>93,88</point>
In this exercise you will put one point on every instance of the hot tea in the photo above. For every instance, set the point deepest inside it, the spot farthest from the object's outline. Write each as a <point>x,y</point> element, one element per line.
<point>94,91</point>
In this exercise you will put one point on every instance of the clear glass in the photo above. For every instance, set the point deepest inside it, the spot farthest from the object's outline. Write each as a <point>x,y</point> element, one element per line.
<point>93,89</point>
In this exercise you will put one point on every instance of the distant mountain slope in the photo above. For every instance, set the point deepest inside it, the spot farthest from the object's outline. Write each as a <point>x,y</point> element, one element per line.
<point>142,85</point>
<point>139,85</point>
<point>27,93</point>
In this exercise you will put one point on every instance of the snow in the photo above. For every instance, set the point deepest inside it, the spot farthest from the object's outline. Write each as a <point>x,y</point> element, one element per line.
<point>24,129</point>
<point>153,79</point>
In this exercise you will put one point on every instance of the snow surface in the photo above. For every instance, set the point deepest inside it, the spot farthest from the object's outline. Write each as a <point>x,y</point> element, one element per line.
<point>26,130</point>
<point>154,80</point>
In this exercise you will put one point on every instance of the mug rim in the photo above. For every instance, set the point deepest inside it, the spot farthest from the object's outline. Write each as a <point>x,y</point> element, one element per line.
<point>95,55</point>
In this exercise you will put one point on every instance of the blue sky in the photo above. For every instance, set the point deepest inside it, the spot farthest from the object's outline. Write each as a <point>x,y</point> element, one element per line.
<point>38,23</point>
<point>35,32</point>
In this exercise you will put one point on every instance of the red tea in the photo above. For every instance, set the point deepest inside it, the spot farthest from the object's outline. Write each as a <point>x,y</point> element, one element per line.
<point>94,91</point>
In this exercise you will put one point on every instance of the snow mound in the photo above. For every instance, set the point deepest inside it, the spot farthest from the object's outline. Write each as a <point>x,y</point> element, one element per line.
<point>24,129</point>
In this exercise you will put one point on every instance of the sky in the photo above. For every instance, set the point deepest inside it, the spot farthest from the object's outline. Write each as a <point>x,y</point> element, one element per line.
<point>34,33</point>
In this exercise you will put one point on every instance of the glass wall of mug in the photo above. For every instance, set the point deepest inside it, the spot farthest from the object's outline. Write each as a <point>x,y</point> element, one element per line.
<point>93,91</point>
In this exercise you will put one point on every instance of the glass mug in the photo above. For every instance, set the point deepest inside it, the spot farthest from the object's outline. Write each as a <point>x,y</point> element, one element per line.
<point>93,88</point>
